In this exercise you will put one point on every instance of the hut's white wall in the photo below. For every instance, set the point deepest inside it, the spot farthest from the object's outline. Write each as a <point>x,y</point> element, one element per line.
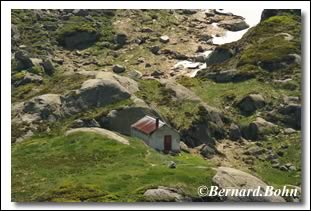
<point>157,138</point>
<point>140,135</point>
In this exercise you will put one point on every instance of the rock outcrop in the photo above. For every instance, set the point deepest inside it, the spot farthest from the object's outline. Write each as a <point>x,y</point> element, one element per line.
<point>229,178</point>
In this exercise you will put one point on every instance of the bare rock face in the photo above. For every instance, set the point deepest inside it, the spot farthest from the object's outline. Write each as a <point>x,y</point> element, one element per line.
<point>45,107</point>
<point>94,93</point>
<point>250,103</point>
<point>165,194</point>
<point>219,55</point>
<point>258,129</point>
<point>234,25</point>
<point>233,178</point>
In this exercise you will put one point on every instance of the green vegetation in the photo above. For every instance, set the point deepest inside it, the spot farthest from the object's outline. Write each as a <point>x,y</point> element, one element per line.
<point>267,41</point>
<point>89,167</point>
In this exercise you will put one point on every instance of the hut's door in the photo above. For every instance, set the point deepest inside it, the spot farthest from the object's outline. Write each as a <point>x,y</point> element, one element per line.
<point>168,143</point>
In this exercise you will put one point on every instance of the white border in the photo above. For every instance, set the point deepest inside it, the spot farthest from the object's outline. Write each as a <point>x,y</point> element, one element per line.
<point>6,96</point>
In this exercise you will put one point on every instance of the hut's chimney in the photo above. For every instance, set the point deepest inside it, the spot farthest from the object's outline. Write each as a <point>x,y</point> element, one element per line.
<point>157,123</point>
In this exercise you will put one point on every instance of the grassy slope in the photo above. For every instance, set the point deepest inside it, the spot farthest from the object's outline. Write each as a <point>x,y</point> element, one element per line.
<point>89,167</point>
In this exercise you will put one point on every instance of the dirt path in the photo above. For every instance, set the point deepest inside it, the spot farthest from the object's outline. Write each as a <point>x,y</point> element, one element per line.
<point>234,153</point>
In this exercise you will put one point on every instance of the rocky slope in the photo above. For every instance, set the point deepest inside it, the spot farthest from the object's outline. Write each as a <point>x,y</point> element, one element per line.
<point>236,105</point>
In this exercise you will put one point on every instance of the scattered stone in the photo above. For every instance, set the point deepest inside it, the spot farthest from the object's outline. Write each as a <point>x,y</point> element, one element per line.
<point>234,132</point>
<point>184,147</point>
<point>58,60</point>
<point>23,60</point>
<point>155,49</point>
<point>289,131</point>
<point>79,123</point>
<point>219,55</point>
<point>255,150</point>
<point>251,103</point>
<point>164,39</point>
<point>120,39</point>
<point>157,73</point>
<point>146,29</point>
<point>135,74</point>
<point>233,25</point>
<point>172,165</point>
<point>280,153</point>
<point>29,78</point>
<point>283,168</point>
<point>118,68</point>
<point>48,67</point>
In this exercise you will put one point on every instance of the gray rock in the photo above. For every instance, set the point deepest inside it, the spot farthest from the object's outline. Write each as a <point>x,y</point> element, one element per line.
<point>250,103</point>
<point>234,132</point>
<point>207,151</point>
<point>283,168</point>
<point>233,24</point>
<point>164,194</point>
<point>184,147</point>
<point>44,107</point>
<point>118,68</point>
<point>79,40</point>
<point>255,150</point>
<point>29,78</point>
<point>219,55</point>
<point>258,128</point>
<point>94,93</point>
<point>23,60</point>
<point>157,73</point>
<point>79,123</point>
<point>164,39</point>
<point>120,39</point>
<point>80,12</point>
<point>48,67</point>
<point>232,75</point>
<point>233,178</point>
<point>135,74</point>
<point>155,49</point>
<point>172,165</point>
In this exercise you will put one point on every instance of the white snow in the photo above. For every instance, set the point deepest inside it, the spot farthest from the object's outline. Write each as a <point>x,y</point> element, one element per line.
<point>252,18</point>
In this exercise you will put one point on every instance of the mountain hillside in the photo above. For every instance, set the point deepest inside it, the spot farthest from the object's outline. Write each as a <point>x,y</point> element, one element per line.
<point>236,106</point>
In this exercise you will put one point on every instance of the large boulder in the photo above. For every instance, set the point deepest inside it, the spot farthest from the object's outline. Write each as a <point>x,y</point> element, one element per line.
<point>94,93</point>
<point>48,67</point>
<point>219,55</point>
<point>122,119</point>
<point>231,75</point>
<point>120,39</point>
<point>165,194</point>
<point>180,92</point>
<point>29,78</point>
<point>23,60</point>
<point>205,129</point>
<point>43,107</point>
<point>233,25</point>
<point>234,132</point>
<point>230,178</point>
<point>250,103</point>
<point>79,39</point>
<point>258,129</point>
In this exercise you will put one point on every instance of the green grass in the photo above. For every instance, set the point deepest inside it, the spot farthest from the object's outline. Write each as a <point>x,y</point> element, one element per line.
<point>89,167</point>
<point>292,155</point>
<point>221,95</point>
